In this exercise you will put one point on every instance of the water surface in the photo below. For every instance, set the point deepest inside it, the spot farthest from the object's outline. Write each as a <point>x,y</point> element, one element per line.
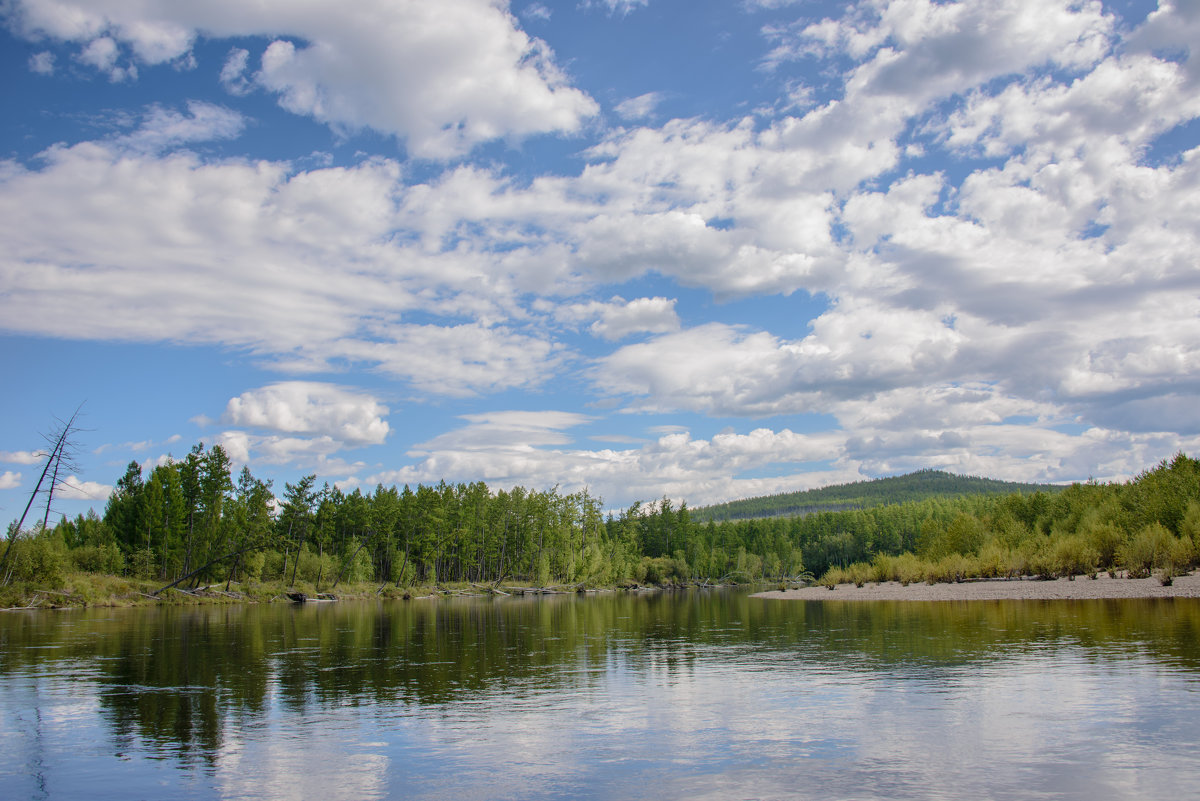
<point>660,696</point>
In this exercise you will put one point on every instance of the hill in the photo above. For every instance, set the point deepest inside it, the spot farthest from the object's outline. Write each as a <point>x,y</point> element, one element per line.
<point>916,486</point>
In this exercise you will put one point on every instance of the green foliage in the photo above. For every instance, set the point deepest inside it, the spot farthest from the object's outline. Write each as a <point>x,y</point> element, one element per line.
<point>191,517</point>
<point>1070,556</point>
<point>105,558</point>
<point>1152,547</point>
<point>253,565</point>
<point>41,557</point>
<point>953,567</point>
<point>914,487</point>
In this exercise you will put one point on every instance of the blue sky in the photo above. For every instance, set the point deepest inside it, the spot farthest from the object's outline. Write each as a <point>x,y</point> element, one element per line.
<point>648,247</point>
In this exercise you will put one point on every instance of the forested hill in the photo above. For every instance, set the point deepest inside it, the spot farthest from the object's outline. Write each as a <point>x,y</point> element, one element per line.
<point>917,486</point>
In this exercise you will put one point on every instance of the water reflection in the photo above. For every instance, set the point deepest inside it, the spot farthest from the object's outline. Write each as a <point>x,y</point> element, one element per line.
<point>697,695</point>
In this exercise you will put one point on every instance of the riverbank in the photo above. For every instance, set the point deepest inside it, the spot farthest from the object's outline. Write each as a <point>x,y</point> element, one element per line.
<point>95,589</point>
<point>1082,588</point>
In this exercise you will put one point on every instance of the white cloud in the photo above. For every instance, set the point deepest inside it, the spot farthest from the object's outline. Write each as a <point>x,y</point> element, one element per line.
<point>1046,278</point>
<point>233,72</point>
<point>444,77</point>
<point>138,247</point>
<point>10,479</point>
<point>855,350</point>
<point>308,407</point>
<point>162,129</point>
<point>984,433</point>
<point>73,489</point>
<point>517,430</point>
<point>619,318</point>
<point>640,107</point>
<point>536,11</point>
<point>616,7</point>
<point>42,63</point>
<point>529,449</point>
<point>301,452</point>
<point>102,53</point>
<point>22,457</point>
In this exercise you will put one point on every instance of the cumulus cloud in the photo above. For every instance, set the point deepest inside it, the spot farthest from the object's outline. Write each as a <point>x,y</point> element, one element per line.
<point>136,246</point>
<point>619,318</point>
<point>987,433</point>
<point>1044,282</point>
<point>306,453</point>
<point>854,351</point>
<point>163,128</point>
<point>443,77</point>
<point>530,449</point>
<point>309,407</point>
<point>72,488</point>
<point>22,457</point>
<point>233,72</point>
<point>10,479</point>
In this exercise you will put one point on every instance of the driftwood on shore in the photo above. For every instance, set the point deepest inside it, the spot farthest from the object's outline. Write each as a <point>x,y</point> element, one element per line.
<point>305,598</point>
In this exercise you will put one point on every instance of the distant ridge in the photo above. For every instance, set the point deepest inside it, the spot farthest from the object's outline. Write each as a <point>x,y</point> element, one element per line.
<point>916,486</point>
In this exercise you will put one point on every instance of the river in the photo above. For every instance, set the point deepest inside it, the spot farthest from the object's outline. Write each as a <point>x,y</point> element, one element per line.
<point>690,695</point>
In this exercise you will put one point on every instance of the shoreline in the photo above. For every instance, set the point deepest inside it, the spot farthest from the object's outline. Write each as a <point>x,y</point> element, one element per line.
<point>1027,589</point>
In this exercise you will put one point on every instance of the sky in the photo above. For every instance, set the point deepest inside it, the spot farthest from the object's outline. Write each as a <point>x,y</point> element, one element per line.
<point>647,248</point>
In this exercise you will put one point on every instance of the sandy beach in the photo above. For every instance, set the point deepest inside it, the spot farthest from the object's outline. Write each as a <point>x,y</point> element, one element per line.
<point>1082,588</point>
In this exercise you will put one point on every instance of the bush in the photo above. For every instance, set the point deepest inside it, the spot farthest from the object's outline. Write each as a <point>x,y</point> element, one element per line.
<point>141,563</point>
<point>1180,556</point>
<point>314,567</point>
<point>40,558</point>
<point>908,568</point>
<point>1071,556</point>
<point>992,561</point>
<point>357,569</point>
<point>833,577</point>
<point>1150,548</point>
<point>272,568</point>
<point>103,559</point>
<point>1104,537</point>
<point>253,564</point>
<point>666,570</point>
<point>953,568</point>
<point>860,573</point>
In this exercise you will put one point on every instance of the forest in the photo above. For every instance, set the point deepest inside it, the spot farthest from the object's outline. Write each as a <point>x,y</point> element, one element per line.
<point>916,486</point>
<point>191,522</point>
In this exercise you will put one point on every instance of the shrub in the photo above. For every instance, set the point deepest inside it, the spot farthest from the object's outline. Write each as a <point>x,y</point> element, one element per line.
<point>883,568</point>
<point>141,563</point>
<point>1179,557</point>
<point>40,558</point>
<point>908,568</point>
<point>104,559</point>
<point>272,568</point>
<point>1071,556</point>
<point>253,564</point>
<point>991,561</point>
<point>952,568</point>
<point>1104,537</point>
<point>1150,548</point>
<point>833,577</point>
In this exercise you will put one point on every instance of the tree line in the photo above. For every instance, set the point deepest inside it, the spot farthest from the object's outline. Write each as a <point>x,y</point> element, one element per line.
<point>916,486</point>
<point>191,521</point>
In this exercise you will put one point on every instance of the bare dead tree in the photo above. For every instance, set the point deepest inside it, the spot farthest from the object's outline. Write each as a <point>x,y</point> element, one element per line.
<point>60,466</point>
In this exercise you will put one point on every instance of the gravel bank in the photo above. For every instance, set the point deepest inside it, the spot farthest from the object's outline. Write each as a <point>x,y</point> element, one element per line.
<point>1082,588</point>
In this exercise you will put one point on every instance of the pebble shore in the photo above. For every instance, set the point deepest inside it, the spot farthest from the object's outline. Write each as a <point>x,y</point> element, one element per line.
<point>1082,588</point>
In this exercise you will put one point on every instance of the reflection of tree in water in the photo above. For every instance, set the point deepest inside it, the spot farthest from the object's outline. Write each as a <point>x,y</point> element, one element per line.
<point>897,635</point>
<point>180,680</point>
